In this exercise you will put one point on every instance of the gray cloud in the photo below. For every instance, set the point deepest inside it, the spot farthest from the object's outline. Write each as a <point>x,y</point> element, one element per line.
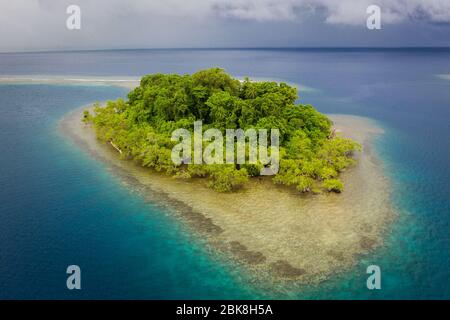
<point>40,24</point>
<point>349,12</point>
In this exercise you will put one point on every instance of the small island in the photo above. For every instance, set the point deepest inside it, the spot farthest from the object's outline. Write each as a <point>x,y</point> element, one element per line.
<point>311,155</point>
<point>286,230</point>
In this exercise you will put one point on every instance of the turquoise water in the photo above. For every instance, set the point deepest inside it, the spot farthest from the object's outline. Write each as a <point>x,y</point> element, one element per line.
<point>60,207</point>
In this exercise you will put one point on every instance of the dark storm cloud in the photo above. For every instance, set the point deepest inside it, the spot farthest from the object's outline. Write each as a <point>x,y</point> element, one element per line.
<point>40,24</point>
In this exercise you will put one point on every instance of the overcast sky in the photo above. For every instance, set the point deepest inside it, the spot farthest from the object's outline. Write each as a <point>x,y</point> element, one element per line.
<point>41,24</point>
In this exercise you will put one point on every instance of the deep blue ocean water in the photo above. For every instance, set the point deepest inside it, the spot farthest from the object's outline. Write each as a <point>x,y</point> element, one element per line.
<point>59,207</point>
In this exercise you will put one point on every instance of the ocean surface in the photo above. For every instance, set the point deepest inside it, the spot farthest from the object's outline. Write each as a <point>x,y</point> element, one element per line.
<point>58,206</point>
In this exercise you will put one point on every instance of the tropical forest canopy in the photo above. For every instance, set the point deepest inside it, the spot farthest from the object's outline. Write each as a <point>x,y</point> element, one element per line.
<point>311,155</point>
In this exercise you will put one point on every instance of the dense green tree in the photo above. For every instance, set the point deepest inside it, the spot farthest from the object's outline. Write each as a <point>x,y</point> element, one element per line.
<point>311,156</point>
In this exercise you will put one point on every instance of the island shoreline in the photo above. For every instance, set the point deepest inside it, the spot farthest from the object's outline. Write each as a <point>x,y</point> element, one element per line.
<point>271,254</point>
<point>280,236</point>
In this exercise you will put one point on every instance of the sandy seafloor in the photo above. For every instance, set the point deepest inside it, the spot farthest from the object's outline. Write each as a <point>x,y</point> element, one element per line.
<point>276,233</point>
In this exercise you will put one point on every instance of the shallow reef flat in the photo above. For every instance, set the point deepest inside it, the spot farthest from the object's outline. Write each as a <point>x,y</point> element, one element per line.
<point>125,82</point>
<point>274,232</point>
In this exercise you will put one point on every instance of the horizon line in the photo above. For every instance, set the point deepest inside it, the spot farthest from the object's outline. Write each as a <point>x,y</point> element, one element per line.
<point>312,48</point>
